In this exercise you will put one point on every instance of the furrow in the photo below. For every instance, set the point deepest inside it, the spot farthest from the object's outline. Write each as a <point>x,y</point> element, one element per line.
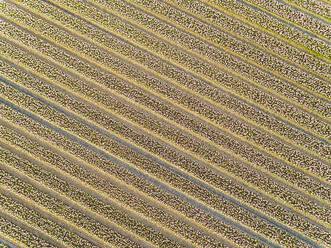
<point>208,51</point>
<point>326,150</point>
<point>8,242</point>
<point>195,11</point>
<point>318,58</point>
<point>315,46</point>
<point>47,90</point>
<point>103,142</point>
<point>137,202</point>
<point>263,40</point>
<point>319,8</point>
<point>297,7</point>
<point>118,106</point>
<point>290,111</point>
<point>190,62</point>
<point>145,123</point>
<point>62,206</point>
<point>106,183</point>
<point>35,216</point>
<point>23,233</point>
<point>90,197</point>
<point>55,69</point>
<point>286,153</point>
<point>234,46</point>
<point>5,244</point>
<point>289,14</point>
